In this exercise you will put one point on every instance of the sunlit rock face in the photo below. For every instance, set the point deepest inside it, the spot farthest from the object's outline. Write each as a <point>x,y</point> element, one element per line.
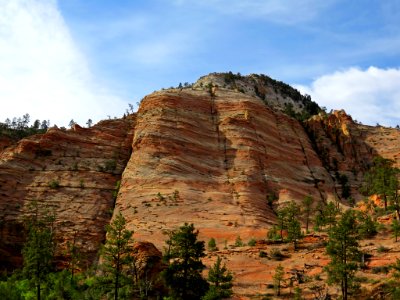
<point>72,173</point>
<point>221,157</point>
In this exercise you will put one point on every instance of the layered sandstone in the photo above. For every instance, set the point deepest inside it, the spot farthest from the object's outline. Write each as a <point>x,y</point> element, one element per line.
<point>72,172</point>
<point>214,159</point>
<point>348,148</point>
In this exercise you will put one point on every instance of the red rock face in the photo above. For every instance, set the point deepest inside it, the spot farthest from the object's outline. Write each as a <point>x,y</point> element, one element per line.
<point>213,161</point>
<point>348,148</point>
<point>73,173</point>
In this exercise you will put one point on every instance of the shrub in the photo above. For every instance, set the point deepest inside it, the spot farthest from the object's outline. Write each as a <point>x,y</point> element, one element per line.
<point>212,245</point>
<point>382,249</point>
<point>276,254</point>
<point>252,242</point>
<point>54,184</point>
<point>239,242</point>
<point>110,165</point>
<point>262,254</point>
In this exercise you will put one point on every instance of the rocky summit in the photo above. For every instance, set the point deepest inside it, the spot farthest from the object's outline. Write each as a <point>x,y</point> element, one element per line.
<point>221,153</point>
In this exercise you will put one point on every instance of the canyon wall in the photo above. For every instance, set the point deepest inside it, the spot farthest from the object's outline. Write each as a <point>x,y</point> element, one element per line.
<point>71,172</point>
<point>217,157</point>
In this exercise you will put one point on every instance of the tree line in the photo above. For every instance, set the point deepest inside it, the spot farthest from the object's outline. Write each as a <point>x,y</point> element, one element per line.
<point>116,275</point>
<point>346,228</point>
<point>18,128</point>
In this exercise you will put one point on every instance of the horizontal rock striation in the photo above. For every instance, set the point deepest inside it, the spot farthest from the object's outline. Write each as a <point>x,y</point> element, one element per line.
<point>71,172</point>
<point>214,159</point>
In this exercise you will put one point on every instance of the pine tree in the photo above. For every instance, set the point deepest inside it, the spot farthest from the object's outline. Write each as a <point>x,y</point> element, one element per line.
<point>343,250</point>
<point>278,278</point>
<point>307,209</point>
<point>382,179</point>
<point>293,224</point>
<point>281,217</point>
<point>395,226</point>
<point>183,256</point>
<point>220,280</point>
<point>116,254</point>
<point>38,251</point>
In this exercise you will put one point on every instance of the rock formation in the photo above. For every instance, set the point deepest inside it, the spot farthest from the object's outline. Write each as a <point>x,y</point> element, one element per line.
<point>220,154</point>
<point>72,172</point>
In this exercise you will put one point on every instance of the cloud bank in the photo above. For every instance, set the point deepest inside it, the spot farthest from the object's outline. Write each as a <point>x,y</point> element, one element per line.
<point>371,96</point>
<point>42,72</point>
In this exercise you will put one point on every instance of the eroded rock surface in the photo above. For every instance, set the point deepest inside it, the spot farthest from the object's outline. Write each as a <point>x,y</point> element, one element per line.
<point>72,172</point>
<point>213,159</point>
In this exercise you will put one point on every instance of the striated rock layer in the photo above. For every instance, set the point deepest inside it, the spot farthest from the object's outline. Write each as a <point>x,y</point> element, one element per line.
<point>73,173</point>
<point>347,148</point>
<point>214,159</point>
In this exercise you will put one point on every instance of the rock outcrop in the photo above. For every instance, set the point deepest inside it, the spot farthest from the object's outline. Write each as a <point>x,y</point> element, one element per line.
<point>220,154</point>
<point>72,172</point>
<point>214,159</point>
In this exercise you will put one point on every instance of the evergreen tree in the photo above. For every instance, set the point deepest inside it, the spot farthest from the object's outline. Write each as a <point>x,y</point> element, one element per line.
<point>343,250</point>
<point>212,245</point>
<point>395,226</point>
<point>116,254</point>
<point>89,123</point>
<point>307,209</point>
<point>281,218</point>
<point>74,256</point>
<point>38,251</point>
<point>278,278</point>
<point>220,280</point>
<point>71,123</point>
<point>382,179</point>
<point>183,256</point>
<point>326,215</point>
<point>293,224</point>
<point>366,226</point>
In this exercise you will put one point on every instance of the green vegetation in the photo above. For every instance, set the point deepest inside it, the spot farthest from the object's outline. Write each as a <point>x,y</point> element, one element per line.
<point>344,252</point>
<point>307,209</point>
<point>252,242</point>
<point>278,278</point>
<point>212,245</point>
<point>38,252</point>
<point>293,224</point>
<point>54,184</point>
<point>395,226</point>
<point>382,179</point>
<point>326,215</point>
<point>288,219</point>
<point>184,265</point>
<point>18,128</point>
<point>117,258</point>
<point>239,242</point>
<point>220,280</point>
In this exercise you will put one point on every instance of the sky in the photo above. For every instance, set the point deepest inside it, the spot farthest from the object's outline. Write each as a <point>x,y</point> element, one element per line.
<point>81,59</point>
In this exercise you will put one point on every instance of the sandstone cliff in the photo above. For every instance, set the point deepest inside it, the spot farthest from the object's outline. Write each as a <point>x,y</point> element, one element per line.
<point>73,173</point>
<point>218,157</point>
<point>214,159</point>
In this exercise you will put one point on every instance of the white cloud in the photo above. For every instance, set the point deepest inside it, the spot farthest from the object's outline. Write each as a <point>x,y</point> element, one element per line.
<point>286,12</point>
<point>370,96</point>
<point>42,72</point>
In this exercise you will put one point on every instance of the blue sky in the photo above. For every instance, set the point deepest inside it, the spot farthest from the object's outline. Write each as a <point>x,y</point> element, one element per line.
<point>85,59</point>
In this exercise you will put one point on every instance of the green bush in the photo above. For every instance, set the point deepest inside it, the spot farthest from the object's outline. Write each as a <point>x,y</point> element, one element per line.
<point>239,242</point>
<point>54,184</point>
<point>252,242</point>
<point>262,254</point>
<point>212,245</point>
